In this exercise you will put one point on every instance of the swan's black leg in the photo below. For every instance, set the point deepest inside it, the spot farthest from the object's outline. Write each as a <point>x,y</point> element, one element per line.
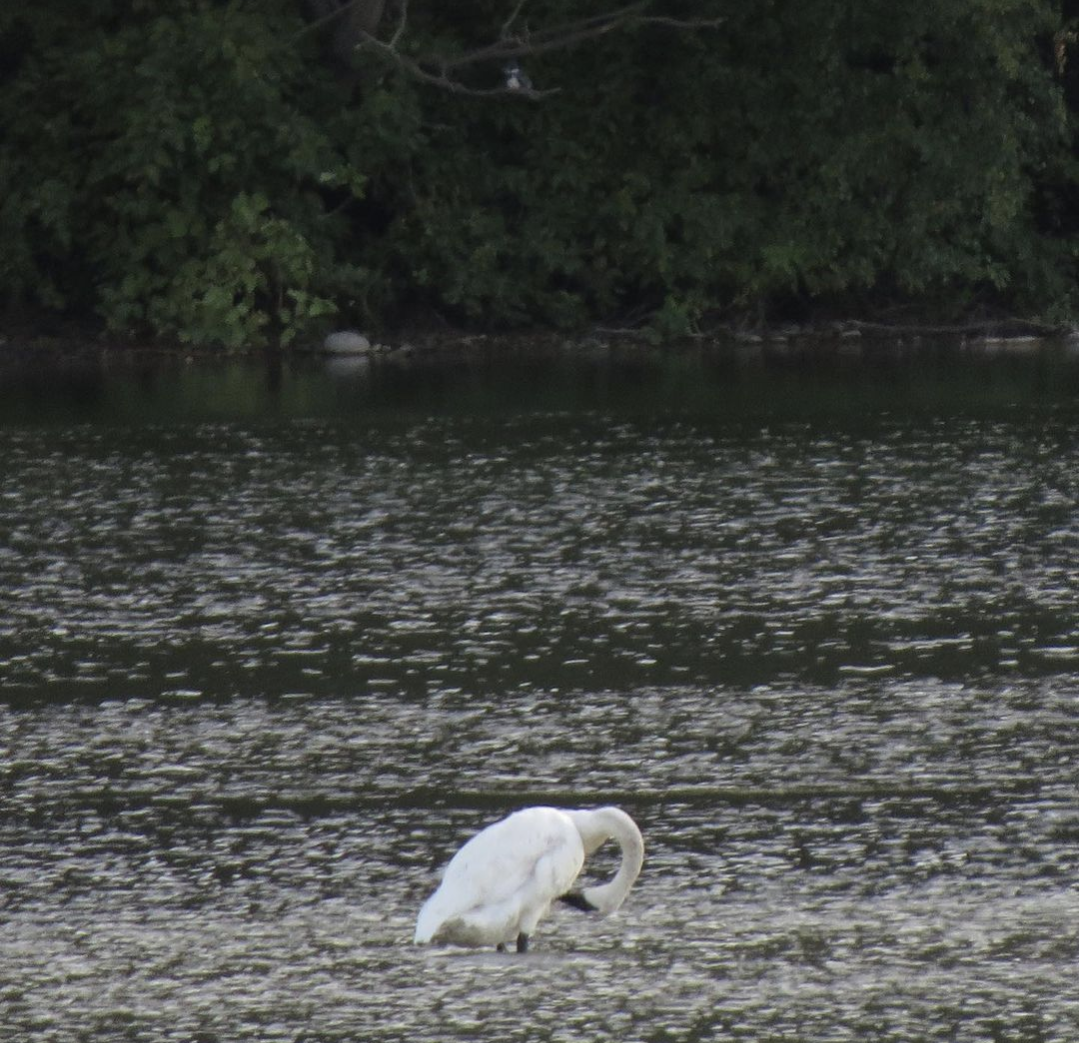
<point>522,942</point>
<point>500,947</point>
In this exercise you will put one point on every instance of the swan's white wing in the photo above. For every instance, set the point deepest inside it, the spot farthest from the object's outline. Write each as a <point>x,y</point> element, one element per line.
<point>502,858</point>
<point>510,871</point>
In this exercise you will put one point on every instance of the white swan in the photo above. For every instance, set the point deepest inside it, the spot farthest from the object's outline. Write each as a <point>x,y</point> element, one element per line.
<point>503,881</point>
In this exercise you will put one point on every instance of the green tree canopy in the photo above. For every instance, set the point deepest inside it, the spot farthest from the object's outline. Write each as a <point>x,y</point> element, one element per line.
<point>211,171</point>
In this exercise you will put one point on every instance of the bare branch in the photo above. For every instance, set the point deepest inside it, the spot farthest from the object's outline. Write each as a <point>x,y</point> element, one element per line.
<point>362,15</point>
<point>331,14</point>
<point>438,75</point>
<point>681,23</point>
<point>554,38</point>
<point>443,70</point>
<point>514,14</point>
<point>402,24</point>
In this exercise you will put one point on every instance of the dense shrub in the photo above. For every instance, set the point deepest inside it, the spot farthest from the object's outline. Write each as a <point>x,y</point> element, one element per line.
<point>171,171</point>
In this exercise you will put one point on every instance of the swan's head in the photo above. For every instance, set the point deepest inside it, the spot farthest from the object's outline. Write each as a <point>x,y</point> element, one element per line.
<point>595,827</point>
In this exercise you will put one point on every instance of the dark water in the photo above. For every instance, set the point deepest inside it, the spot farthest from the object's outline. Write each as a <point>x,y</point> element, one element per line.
<point>272,644</point>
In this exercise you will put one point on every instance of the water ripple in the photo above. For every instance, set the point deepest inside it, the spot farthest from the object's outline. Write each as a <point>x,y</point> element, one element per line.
<point>259,683</point>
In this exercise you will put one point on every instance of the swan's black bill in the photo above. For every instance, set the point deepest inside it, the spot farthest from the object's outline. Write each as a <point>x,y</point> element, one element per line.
<point>578,901</point>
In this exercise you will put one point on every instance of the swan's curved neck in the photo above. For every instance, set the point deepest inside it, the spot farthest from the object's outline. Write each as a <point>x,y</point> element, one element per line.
<point>597,826</point>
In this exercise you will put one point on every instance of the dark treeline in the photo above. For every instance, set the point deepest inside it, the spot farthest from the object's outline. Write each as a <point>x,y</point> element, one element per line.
<point>233,173</point>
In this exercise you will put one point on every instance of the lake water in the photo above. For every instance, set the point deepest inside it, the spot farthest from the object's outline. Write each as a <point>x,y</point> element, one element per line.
<point>275,641</point>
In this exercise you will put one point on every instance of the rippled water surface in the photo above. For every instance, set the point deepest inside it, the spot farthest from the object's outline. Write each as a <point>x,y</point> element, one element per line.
<point>272,647</point>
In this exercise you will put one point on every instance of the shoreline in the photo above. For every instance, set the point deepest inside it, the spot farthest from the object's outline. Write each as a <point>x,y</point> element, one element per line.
<point>30,345</point>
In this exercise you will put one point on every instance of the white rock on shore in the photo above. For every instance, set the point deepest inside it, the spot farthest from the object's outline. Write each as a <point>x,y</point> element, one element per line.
<point>346,342</point>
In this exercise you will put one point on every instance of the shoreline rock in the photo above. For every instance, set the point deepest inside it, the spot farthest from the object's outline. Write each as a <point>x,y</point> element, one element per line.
<point>346,342</point>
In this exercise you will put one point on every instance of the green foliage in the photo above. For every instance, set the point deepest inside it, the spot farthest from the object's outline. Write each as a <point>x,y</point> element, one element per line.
<point>196,170</point>
<point>170,171</point>
<point>807,151</point>
<point>225,283</point>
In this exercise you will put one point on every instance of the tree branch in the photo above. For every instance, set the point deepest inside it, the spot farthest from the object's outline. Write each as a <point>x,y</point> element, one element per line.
<point>402,25</point>
<point>512,17</point>
<point>554,38</point>
<point>443,70</point>
<point>438,75</point>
